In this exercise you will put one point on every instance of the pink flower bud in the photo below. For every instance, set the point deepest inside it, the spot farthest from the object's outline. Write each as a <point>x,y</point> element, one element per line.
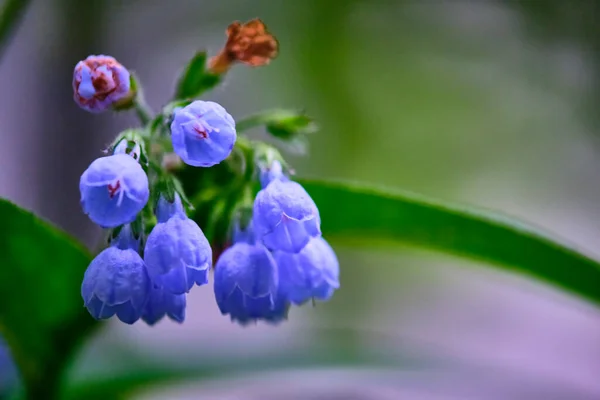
<point>99,82</point>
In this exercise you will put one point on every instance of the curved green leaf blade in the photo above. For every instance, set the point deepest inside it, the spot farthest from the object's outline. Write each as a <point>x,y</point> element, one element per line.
<point>138,377</point>
<point>41,312</point>
<point>364,215</point>
<point>195,78</point>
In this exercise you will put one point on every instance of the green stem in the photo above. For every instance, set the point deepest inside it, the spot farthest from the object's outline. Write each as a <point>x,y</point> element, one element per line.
<point>246,148</point>
<point>143,110</point>
<point>10,16</point>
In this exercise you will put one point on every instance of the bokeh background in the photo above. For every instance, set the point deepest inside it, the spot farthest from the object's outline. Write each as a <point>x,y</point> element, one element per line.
<point>487,103</point>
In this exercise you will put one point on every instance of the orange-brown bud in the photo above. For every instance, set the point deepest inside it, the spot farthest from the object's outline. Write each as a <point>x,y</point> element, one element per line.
<point>248,43</point>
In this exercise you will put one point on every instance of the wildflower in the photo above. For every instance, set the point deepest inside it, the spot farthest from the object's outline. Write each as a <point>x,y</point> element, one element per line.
<point>99,82</point>
<point>116,281</point>
<point>311,273</point>
<point>285,217</point>
<point>248,43</point>
<point>203,133</point>
<point>114,190</point>
<point>163,303</point>
<point>246,282</point>
<point>177,253</point>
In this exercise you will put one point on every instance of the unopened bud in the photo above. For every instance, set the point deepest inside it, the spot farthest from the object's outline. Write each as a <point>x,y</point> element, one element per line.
<point>99,82</point>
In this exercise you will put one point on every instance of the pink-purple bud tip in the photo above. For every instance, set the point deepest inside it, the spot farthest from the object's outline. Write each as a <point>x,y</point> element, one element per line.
<point>99,82</point>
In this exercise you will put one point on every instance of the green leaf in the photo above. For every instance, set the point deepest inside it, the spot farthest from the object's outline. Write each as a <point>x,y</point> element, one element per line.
<point>366,216</point>
<point>11,14</point>
<point>140,377</point>
<point>195,79</point>
<point>280,123</point>
<point>41,311</point>
<point>123,386</point>
<point>289,127</point>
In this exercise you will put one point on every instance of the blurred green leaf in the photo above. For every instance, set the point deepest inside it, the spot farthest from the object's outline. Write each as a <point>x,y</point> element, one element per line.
<point>11,15</point>
<point>144,375</point>
<point>195,79</point>
<point>123,386</point>
<point>365,216</point>
<point>287,126</point>
<point>41,312</point>
<point>290,127</point>
<point>283,124</point>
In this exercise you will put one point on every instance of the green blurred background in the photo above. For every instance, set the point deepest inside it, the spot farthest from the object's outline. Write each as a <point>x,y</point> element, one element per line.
<point>487,103</point>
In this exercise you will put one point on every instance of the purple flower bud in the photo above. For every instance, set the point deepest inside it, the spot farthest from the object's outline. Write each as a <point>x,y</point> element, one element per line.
<point>116,281</point>
<point>311,273</point>
<point>246,284</point>
<point>114,190</point>
<point>166,209</point>
<point>163,303</point>
<point>270,173</point>
<point>99,82</point>
<point>177,253</point>
<point>203,133</point>
<point>285,217</point>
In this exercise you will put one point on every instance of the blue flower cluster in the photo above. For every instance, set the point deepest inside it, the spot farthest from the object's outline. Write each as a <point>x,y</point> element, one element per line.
<point>280,260</point>
<point>156,254</point>
<point>119,281</point>
<point>149,282</point>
